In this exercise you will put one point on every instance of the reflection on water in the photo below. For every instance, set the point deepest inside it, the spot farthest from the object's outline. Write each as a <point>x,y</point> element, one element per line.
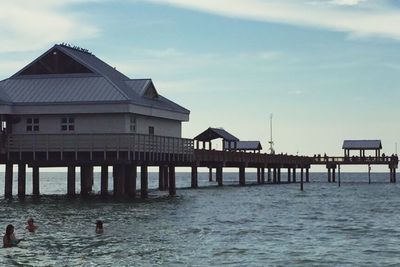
<point>356,224</point>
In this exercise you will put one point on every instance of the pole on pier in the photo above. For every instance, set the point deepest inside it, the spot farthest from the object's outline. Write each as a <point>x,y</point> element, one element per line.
<point>21,180</point>
<point>35,181</point>
<point>143,181</point>
<point>242,175</point>
<point>339,175</point>
<point>294,175</point>
<point>166,177</point>
<point>307,175</point>
<point>279,175</point>
<point>194,177</point>
<point>274,180</point>
<point>119,181</point>
<point>394,175</point>
<point>161,179</point>
<point>269,175</point>
<point>219,176</point>
<point>329,175</point>
<point>85,180</point>
<point>301,180</point>
<point>333,175</point>
<point>130,179</point>
<point>263,175</point>
<point>8,185</point>
<point>172,182</point>
<point>369,174</point>
<point>210,174</point>
<point>71,179</point>
<point>104,180</point>
<point>258,175</point>
<point>288,175</point>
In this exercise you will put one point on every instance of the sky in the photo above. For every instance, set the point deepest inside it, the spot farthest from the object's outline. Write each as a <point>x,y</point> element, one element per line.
<point>327,70</point>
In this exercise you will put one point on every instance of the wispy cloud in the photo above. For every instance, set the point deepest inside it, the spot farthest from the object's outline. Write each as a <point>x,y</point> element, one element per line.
<point>357,17</point>
<point>29,25</point>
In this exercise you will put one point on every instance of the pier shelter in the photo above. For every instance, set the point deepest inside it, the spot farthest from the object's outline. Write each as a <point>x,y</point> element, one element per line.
<point>229,141</point>
<point>362,146</point>
<point>245,146</point>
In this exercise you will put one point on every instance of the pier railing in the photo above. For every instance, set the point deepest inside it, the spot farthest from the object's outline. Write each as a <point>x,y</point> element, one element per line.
<point>212,156</point>
<point>128,143</point>
<point>355,160</point>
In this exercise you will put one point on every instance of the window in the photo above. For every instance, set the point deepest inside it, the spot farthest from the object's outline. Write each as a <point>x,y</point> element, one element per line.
<point>32,124</point>
<point>151,130</point>
<point>67,124</point>
<point>133,124</point>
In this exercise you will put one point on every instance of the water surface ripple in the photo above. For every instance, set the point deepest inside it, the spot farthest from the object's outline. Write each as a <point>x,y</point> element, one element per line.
<point>271,225</point>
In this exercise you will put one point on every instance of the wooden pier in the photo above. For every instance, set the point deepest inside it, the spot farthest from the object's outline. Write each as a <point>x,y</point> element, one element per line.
<point>126,152</point>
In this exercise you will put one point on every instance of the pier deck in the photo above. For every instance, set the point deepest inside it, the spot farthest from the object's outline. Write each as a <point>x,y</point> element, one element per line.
<point>126,152</point>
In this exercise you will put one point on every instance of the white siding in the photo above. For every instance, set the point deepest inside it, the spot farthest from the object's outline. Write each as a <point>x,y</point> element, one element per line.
<point>101,123</point>
<point>163,127</point>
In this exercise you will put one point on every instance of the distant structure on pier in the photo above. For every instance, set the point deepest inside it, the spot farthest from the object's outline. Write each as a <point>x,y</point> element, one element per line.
<point>229,141</point>
<point>362,146</point>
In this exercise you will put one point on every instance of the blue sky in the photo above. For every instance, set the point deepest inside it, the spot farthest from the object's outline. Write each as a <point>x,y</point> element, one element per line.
<point>327,69</point>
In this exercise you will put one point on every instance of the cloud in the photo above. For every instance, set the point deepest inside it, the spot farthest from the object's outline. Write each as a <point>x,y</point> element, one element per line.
<point>30,25</point>
<point>357,17</point>
<point>347,2</point>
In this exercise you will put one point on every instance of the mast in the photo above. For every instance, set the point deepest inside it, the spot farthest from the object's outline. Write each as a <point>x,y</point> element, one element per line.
<point>271,142</point>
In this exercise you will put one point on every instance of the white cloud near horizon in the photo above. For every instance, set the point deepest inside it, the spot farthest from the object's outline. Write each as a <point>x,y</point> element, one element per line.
<point>27,25</point>
<point>359,18</point>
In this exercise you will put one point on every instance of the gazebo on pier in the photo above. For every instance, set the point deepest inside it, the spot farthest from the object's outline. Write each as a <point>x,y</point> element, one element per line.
<point>246,146</point>
<point>362,146</point>
<point>228,140</point>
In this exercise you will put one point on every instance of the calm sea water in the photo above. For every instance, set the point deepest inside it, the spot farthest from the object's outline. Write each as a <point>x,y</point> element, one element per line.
<point>271,225</point>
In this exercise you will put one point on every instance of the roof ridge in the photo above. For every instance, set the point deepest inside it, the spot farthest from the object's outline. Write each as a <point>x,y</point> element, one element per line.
<point>65,49</point>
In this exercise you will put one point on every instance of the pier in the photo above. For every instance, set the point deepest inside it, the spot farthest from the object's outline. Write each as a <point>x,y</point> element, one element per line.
<point>69,109</point>
<point>125,153</point>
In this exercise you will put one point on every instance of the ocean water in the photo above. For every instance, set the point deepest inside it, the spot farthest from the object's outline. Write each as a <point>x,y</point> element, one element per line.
<point>357,224</point>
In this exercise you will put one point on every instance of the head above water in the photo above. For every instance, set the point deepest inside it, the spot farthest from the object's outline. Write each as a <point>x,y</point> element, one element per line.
<point>99,224</point>
<point>9,229</point>
<point>30,221</point>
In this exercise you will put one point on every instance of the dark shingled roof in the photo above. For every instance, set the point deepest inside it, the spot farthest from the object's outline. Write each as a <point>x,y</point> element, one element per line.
<point>362,144</point>
<point>101,83</point>
<point>214,133</point>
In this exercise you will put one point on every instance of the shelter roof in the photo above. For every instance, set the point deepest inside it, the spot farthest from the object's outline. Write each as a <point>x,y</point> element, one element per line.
<point>362,144</point>
<point>214,133</point>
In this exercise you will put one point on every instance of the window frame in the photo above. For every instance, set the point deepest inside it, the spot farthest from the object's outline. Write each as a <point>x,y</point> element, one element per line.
<point>67,124</point>
<point>32,124</point>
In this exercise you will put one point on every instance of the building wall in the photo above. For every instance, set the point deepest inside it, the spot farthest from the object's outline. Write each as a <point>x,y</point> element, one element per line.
<point>100,123</point>
<point>163,127</point>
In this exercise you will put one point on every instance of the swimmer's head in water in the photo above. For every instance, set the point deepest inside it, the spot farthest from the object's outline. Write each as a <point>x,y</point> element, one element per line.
<point>9,229</point>
<point>99,224</point>
<point>30,221</point>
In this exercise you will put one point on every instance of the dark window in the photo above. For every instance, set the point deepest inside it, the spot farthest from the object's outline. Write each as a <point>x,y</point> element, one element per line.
<point>32,124</point>
<point>67,124</point>
<point>133,124</point>
<point>151,130</point>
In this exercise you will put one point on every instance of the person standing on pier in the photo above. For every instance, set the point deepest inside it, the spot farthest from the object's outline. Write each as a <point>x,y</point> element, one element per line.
<point>9,239</point>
